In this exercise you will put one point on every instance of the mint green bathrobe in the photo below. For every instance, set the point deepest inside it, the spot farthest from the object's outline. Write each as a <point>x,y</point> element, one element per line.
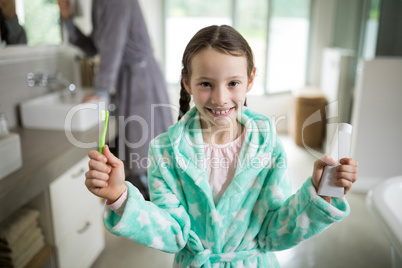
<point>255,216</point>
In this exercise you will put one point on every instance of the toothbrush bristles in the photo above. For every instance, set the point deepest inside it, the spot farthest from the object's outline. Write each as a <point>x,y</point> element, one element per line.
<point>103,115</point>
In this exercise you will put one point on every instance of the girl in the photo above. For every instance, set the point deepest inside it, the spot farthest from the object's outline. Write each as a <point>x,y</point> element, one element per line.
<point>218,178</point>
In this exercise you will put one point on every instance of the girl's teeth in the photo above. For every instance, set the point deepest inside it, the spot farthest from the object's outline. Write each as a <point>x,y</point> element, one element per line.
<point>220,112</point>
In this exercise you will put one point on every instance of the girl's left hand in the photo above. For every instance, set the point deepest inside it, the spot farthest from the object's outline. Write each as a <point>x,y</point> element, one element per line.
<point>346,172</point>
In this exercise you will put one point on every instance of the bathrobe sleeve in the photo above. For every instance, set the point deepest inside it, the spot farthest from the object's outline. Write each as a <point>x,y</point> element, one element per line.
<point>77,38</point>
<point>162,224</point>
<point>293,219</point>
<point>15,33</point>
<point>111,25</point>
<point>114,19</point>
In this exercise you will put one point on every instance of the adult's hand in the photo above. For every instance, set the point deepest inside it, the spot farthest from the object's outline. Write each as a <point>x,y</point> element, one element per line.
<point>65,9</point>
<point>8,8</point>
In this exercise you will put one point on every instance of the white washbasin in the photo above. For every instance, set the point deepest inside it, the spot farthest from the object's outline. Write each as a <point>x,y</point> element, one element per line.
<point>385,203</point>
<point>60,111</point>
<point>10,154</point>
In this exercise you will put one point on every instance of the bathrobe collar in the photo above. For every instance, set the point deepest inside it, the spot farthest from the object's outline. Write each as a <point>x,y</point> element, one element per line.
<point>256,152</point>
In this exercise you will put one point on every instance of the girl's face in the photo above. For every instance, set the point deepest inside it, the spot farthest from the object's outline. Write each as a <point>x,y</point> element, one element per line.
<point>218,84</point>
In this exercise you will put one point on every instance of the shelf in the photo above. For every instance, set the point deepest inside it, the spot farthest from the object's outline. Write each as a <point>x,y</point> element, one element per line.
<point>41,257</point>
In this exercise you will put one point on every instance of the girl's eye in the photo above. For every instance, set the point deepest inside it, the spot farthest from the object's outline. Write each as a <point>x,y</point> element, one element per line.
<point>205,84</point>
<point>233,83</point>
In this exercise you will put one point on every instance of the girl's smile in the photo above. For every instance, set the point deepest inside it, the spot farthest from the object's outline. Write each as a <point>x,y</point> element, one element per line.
<point>220,112</point>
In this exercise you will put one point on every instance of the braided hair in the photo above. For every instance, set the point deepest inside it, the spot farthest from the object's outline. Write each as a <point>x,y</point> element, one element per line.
<point>224,39</point>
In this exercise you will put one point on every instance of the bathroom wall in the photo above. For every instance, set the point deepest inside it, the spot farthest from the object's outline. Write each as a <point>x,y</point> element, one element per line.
<point>377,133</point>
<point>17,62</point>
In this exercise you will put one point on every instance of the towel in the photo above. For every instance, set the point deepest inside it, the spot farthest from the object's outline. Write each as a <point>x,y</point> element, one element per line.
<point>25,258</point>
<point>34,248</point>
<point>20,238</point>
<point>23,245</point>
<point>13,227</point>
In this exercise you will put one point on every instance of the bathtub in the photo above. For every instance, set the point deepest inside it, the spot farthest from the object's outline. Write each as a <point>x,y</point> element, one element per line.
<point>385,203</point>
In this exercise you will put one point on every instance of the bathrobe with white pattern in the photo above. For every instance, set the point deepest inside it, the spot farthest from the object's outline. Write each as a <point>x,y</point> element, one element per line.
<point>255,216</point>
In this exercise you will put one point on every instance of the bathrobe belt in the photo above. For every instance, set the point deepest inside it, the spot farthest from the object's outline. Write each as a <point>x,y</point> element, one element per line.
<point>206,256</point>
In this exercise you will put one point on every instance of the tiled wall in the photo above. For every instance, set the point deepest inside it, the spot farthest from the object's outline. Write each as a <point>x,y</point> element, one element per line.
<point>13,72</point>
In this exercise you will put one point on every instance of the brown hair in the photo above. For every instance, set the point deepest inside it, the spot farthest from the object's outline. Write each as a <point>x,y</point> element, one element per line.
<point>224,39</point>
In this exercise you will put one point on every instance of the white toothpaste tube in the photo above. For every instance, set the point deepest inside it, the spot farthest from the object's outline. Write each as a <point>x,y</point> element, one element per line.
<point>340,148</point>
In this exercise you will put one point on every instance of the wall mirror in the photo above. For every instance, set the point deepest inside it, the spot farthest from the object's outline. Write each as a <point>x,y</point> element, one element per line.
<point>40,20</point>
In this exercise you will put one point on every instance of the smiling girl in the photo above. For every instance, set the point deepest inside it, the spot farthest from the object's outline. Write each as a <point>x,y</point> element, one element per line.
<point>218,179</point>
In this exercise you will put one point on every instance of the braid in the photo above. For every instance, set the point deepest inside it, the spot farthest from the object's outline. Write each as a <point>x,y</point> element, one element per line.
<point>184,101</point>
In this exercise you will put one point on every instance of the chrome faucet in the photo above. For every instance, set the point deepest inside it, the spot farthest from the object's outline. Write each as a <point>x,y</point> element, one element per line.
<point>53,81</point>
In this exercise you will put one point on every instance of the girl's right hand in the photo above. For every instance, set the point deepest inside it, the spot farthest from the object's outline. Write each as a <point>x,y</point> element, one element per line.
<point>105,177</point>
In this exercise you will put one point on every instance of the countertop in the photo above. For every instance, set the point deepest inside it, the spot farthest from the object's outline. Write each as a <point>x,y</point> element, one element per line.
<point>46,155</point>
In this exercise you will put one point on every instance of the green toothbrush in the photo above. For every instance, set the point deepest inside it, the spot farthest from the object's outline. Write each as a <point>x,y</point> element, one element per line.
<point>104,116</point>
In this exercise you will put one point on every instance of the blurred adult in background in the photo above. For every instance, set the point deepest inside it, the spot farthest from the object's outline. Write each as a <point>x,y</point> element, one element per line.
<point>11,30</point>
<point>119,35</point>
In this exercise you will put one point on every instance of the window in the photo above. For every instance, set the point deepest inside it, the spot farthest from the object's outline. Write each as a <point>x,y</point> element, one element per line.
<point>277,31</point>
<point>184,19</point>
<point>287,45</point>
<point>41,21</point>
<point>371,30</point>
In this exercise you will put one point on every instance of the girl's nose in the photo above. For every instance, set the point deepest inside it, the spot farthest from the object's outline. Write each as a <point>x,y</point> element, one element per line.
<point>220,95</point>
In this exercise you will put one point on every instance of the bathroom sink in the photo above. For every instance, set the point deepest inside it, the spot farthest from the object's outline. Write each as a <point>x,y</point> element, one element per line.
<point>384,202</point>
<point>60,111</point>
<point>10,154</point>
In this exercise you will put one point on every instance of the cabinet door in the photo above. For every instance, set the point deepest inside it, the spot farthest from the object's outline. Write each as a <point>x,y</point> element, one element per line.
<point>70,200</point>
<point>84,244</point>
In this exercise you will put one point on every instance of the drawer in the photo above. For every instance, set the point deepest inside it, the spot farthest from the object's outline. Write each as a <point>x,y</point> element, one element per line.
<point>70,200</point>
<point>84,244</point>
